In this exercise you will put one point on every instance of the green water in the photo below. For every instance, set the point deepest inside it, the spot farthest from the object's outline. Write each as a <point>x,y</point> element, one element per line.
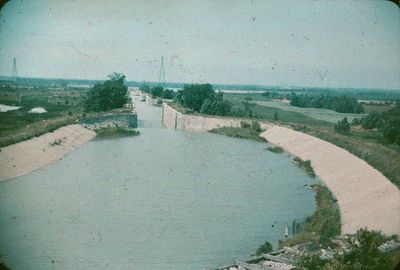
<point>163,200</point>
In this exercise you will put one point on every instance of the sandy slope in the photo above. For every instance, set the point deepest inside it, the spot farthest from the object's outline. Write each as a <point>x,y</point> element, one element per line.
<point>366,198</point>
<point>24,157</point>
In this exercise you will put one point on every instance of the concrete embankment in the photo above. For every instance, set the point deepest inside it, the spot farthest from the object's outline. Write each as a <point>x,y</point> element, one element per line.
<point>24,157</point>
<point>366,198</point>
<point>171,118</point>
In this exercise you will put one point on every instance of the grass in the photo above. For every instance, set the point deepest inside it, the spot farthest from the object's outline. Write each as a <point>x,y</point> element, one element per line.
<point>19,125</point>
<point>243,133</point>
<point>275,149</point>
<point>323,224</point>
<point>306,165</point>
<point>115,132</point>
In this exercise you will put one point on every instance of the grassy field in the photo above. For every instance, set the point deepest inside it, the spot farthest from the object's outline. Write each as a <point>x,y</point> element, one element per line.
<point>18,125</point>
<point>318,114</point>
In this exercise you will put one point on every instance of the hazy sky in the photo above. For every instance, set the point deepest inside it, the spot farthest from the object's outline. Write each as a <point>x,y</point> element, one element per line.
<point>304,43</point>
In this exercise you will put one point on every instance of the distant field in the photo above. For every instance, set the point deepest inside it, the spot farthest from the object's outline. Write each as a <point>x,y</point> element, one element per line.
<point>319,114</point>
<point>18,125</point>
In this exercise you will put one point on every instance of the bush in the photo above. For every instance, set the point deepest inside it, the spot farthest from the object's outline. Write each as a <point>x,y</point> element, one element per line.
<point>342,126</point>
<point>244,124</point>
<point>255,125</point>
<point>264,248</point>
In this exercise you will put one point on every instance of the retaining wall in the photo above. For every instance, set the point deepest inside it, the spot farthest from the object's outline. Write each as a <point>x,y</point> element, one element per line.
<point>171,118</point>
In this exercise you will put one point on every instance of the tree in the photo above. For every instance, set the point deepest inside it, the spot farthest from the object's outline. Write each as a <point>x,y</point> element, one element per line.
<point>108,95</point>
<point>216,105</point>
<point>342,126</point>
<point>248,108</point>
<point>276,118</point>
<point>193,96</point>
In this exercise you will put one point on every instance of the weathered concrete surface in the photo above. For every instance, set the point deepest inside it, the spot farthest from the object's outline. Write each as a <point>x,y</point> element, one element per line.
<point>171,118</point>
<point>366,198</point>
<point>24,157</point>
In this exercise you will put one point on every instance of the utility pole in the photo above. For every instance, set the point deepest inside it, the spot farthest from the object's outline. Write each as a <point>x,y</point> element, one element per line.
<point>161,76</point>
<point>14,71</point>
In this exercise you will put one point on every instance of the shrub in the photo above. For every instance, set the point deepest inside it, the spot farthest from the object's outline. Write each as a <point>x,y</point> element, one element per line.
<point>244,124</point>
<point>342,126</point>
<point>255,125</point>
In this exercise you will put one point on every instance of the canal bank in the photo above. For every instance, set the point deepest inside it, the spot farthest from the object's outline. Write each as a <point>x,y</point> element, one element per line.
<point>365,197</point>
<point>26,156</point>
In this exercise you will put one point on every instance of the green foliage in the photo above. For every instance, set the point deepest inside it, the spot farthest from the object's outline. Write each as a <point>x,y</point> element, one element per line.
<point>264,248</point>
<point>216,105</point>
<point>108,95</point>
<point>364,255</point>
<point>255,125</point>
<point>338,103</point>
<point>109,132</point>
<point>243,133</point>
<point>194,95</point>
<point>311,261</point>
<point>276,118</point>
<point>387,123</point>
<point>275,149</point>
<point>248,108</point>
<point>244,124</point>
<point>322,225</point>
<point>306,165</point>
<point>342,126</point>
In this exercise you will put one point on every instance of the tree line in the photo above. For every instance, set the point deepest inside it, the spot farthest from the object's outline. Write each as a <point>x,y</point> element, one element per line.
<point>387,123</point>
<point>157,91</point>
<point>342,103</point>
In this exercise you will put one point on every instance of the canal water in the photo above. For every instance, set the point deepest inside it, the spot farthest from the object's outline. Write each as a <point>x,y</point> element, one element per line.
<point>166,199</point>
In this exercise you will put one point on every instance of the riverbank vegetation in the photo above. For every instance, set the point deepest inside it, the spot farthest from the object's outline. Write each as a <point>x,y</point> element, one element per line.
<point>248,130</point>
<point>363,252</point>
<point>323,225</point>
<point>306,165</point>
<point>114,132</point>
<point>275,149</point>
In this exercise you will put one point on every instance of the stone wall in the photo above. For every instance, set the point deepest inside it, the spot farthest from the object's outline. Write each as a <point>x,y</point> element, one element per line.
<point>124,120</point>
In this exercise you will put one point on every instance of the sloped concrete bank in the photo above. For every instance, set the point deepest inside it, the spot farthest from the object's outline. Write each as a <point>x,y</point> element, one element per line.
<point>365,197</point>
<point>24,157</point>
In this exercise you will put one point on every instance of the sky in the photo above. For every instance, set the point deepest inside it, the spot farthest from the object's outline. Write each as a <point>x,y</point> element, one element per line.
<point>284,43</point>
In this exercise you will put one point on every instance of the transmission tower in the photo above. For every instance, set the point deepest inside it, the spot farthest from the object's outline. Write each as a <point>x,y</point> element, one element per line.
<point>14,70</point>
<point>161,76</point>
